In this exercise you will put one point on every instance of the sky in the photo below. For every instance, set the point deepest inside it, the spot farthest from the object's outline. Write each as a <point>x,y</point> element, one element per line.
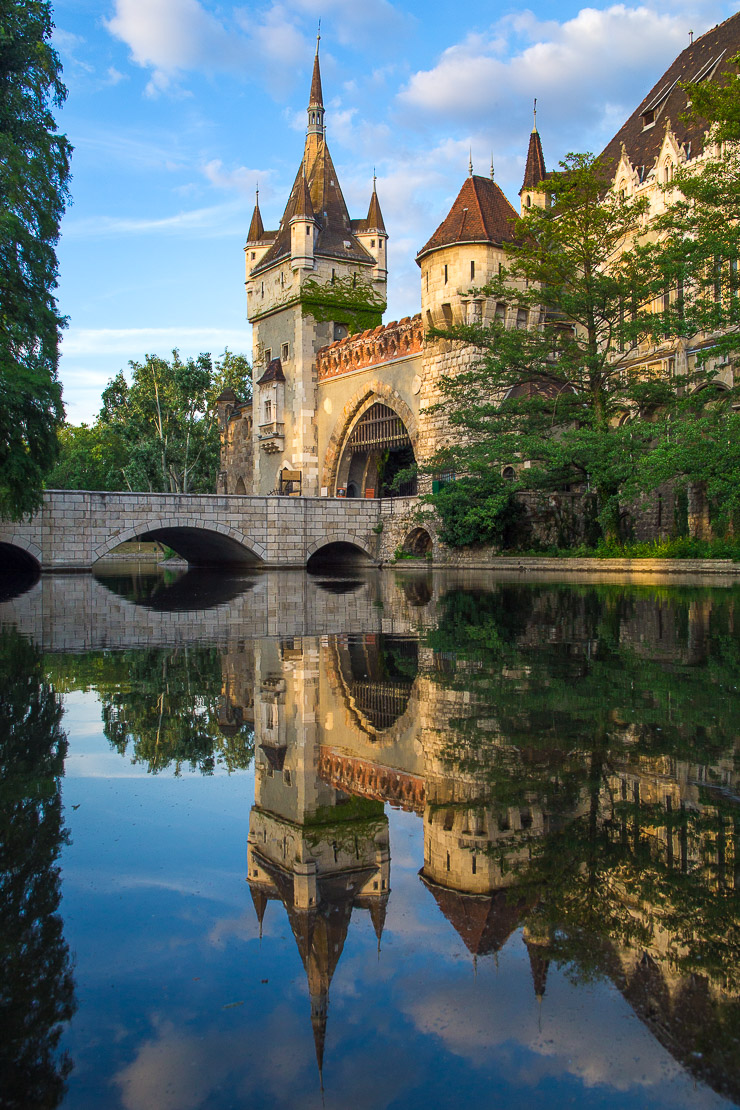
<point>179,109</point>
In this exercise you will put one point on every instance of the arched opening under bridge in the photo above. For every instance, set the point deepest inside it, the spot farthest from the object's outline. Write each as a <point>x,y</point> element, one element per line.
<point>198,546</point>
<point>339,556</point>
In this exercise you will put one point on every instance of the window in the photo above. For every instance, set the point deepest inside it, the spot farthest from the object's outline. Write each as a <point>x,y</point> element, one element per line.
<point>445,274</point>
<point>427,280</point>
<point>333,276</point>
<point>372,242</point>
<point>508,474</point>
<point>529,201</point>
<point>501,311</point>
<point>521,317</point>
<point>268,412</point>
<point>268,356</point>
<point>263,288</point>
<point>285,352</point>
<point>380,244</point>
<point>308,229</point>
<point>472,271</point>
<point>253,255</point>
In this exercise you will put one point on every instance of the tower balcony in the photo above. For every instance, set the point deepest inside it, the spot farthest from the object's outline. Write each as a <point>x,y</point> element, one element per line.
<point>272,437</point>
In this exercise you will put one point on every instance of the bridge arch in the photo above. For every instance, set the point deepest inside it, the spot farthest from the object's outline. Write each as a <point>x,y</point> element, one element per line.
<point>339,550</point>
<point>198,544</point>
<point>372,393</point>
<point>20,553</point>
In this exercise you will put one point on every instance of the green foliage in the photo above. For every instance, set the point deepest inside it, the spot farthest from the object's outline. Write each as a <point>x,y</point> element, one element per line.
<point>559,393</point>
<point>168,712</point>
<point>673,547</point>
<point>349,301</point>
<point>37,997</point>
<point>157,433</point>
<point>476,510</point>
<point>34,175</point>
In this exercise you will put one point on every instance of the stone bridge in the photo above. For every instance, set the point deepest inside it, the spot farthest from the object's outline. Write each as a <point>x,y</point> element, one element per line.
<point>73,530</point>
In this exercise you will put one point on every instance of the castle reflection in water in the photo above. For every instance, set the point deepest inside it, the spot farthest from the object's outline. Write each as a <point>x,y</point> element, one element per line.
<point>572,752</point>
<point>573,757</point>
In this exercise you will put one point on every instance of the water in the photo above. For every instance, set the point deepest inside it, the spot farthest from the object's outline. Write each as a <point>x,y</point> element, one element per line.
<point>404,840</point>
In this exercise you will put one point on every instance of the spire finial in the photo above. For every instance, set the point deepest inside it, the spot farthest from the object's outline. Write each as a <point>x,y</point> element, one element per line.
<point>691,38</point>
<point>470,163</point>
<point>374,179</point>
<point>318,38</point>
<point>534,128</point>
<point>493,176</point>
<point>257,195</point>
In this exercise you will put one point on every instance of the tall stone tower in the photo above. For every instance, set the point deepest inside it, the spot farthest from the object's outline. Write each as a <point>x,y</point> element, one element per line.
<point>318,277</point>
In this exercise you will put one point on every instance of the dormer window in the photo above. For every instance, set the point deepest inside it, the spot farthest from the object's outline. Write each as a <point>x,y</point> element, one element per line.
<point>655,107</point>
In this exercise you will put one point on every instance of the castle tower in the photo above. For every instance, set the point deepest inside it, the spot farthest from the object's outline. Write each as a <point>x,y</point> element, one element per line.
<point>465,252</point>
<point>531,193</point>
<point>305,284</point>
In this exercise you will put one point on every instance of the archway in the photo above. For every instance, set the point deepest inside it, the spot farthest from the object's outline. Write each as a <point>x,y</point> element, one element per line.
<point>336,474</point>
<point>376,449</point>
<point>418,543</point>
<point>198,546</point>
<point>19,571</point>
<point>339,555</point>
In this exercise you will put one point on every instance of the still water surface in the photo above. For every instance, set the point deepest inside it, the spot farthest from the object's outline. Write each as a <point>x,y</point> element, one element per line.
<point>408,840</point>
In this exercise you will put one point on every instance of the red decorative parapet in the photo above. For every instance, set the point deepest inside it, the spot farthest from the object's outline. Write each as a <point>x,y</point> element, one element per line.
<point>371,348</point>
<point>364,779</point>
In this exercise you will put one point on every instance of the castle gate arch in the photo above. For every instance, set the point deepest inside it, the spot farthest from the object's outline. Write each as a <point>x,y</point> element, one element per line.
<point>375,437</point>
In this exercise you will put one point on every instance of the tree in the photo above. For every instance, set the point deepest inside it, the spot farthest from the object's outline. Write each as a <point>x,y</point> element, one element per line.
<point>698,439</point>
<point>157,433</point>
<point>555,390</point>
<point>34,175</point>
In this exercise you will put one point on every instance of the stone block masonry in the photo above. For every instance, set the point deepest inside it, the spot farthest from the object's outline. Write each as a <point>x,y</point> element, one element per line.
<point>75,529</point>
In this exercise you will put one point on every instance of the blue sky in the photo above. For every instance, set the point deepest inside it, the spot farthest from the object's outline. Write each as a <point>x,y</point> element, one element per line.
<point>177,109</point>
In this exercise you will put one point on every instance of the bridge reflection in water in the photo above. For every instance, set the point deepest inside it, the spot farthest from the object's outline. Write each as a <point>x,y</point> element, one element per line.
<point>572,755</point>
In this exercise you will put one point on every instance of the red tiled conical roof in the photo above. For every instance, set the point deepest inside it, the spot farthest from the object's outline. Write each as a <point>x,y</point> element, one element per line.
<point>480,214</point>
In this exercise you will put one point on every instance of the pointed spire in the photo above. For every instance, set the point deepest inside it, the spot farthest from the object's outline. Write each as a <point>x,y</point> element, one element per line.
<point>535,171</point>
<point>374,221</point>
<point>303,204</point>
<point>470,163</point>
<point>256,227</point>
<point>539,965</point>
<point>317,97</point>
<point>534,127</point>
<point>493,175</point>
<point>319,1007</point>
<point>259,898</point>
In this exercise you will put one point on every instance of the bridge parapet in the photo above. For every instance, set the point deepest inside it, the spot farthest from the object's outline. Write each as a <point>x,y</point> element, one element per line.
<point>74,529</point>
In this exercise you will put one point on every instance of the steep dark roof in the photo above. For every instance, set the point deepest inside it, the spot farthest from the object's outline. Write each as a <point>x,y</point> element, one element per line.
<point>705,58</point>
<point>480,214</point>
<point>273,373</point>
<point>304,204</point>
<point>316,99</point>
<point>330,214</point>
<point>484,922</point>
<point>534,171</point>
<point>256,227</point>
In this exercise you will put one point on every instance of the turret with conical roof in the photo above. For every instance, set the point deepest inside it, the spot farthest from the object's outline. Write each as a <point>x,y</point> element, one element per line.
<point>464,253</point>
<point>531,192</point>
<point>372,235</point>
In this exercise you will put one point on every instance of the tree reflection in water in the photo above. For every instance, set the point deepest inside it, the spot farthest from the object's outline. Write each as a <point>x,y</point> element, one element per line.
<point>37,987</point>
<point>593,752</point>
<point>163,708</point>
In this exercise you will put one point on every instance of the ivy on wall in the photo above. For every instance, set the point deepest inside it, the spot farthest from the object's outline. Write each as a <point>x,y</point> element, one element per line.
<point>349,301</point>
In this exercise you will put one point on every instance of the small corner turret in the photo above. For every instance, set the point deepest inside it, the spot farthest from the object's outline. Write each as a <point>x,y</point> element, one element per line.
<point>532,193</point>
<point>372,235</point>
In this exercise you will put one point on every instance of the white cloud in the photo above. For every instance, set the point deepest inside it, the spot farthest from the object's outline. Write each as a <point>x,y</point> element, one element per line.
<point>218,219</point>
<point>80,342</point>
<point>240,179</point>
<point>171,36</point>
<point>585,71</point>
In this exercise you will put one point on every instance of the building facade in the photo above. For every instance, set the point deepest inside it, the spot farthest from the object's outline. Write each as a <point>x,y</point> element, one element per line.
<point>342,402</point>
